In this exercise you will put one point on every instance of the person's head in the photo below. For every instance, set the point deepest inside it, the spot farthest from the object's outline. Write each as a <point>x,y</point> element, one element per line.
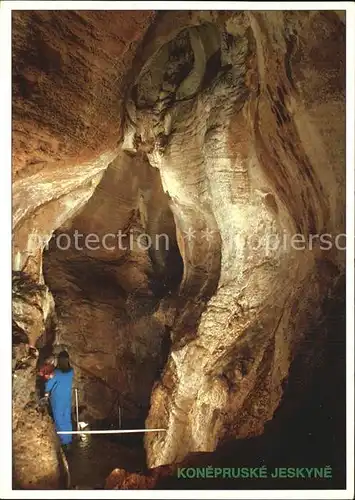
<point>50,360</point>
<point>63,361</point>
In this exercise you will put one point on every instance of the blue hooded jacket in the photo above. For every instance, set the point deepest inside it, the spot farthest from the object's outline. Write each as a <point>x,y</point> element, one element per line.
<point>59,388</point>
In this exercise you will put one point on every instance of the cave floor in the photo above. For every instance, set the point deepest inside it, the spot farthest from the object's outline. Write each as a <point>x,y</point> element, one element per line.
<point>92,458</point>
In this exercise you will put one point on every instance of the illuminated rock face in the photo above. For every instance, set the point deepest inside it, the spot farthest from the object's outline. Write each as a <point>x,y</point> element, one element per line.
<point>230,138</point>
<point>245,152</point>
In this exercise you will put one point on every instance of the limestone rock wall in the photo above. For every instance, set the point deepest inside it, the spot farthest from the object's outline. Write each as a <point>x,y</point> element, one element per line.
<point>241,116</point>
<point>263,160</point>
<point>69,71</point>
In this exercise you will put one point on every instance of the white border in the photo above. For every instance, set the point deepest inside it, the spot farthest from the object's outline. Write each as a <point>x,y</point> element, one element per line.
<point>5,248</point>
<point>163,5</point>
<point>350,191</point>
<point>5,251</point>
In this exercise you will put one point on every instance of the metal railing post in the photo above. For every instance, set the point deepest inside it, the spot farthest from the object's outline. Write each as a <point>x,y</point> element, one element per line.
<point>77,410</point>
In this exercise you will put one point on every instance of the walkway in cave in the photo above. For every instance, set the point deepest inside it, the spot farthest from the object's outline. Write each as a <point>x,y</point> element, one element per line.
<point>93,457</point>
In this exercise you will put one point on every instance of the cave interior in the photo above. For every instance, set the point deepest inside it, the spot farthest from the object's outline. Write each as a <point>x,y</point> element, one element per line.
<point>157,158</point>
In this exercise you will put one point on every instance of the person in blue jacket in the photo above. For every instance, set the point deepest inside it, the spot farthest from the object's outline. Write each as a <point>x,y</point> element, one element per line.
<point>59,391</point>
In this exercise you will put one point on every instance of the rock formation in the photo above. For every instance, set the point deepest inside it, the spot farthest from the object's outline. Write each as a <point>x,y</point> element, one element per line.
<point>224,131</point>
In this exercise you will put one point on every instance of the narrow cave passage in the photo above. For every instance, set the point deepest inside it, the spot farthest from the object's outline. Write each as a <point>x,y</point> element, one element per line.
<point>114,307</point>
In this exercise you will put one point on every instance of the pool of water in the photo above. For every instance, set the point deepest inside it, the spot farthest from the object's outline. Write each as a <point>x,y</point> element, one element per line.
<point>92,458</point>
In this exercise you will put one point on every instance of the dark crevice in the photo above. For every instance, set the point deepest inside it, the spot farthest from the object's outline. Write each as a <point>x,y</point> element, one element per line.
<point>92,289</point>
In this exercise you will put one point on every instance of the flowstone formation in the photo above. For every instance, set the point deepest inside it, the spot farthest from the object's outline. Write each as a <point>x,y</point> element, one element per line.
<point>228,107</point>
